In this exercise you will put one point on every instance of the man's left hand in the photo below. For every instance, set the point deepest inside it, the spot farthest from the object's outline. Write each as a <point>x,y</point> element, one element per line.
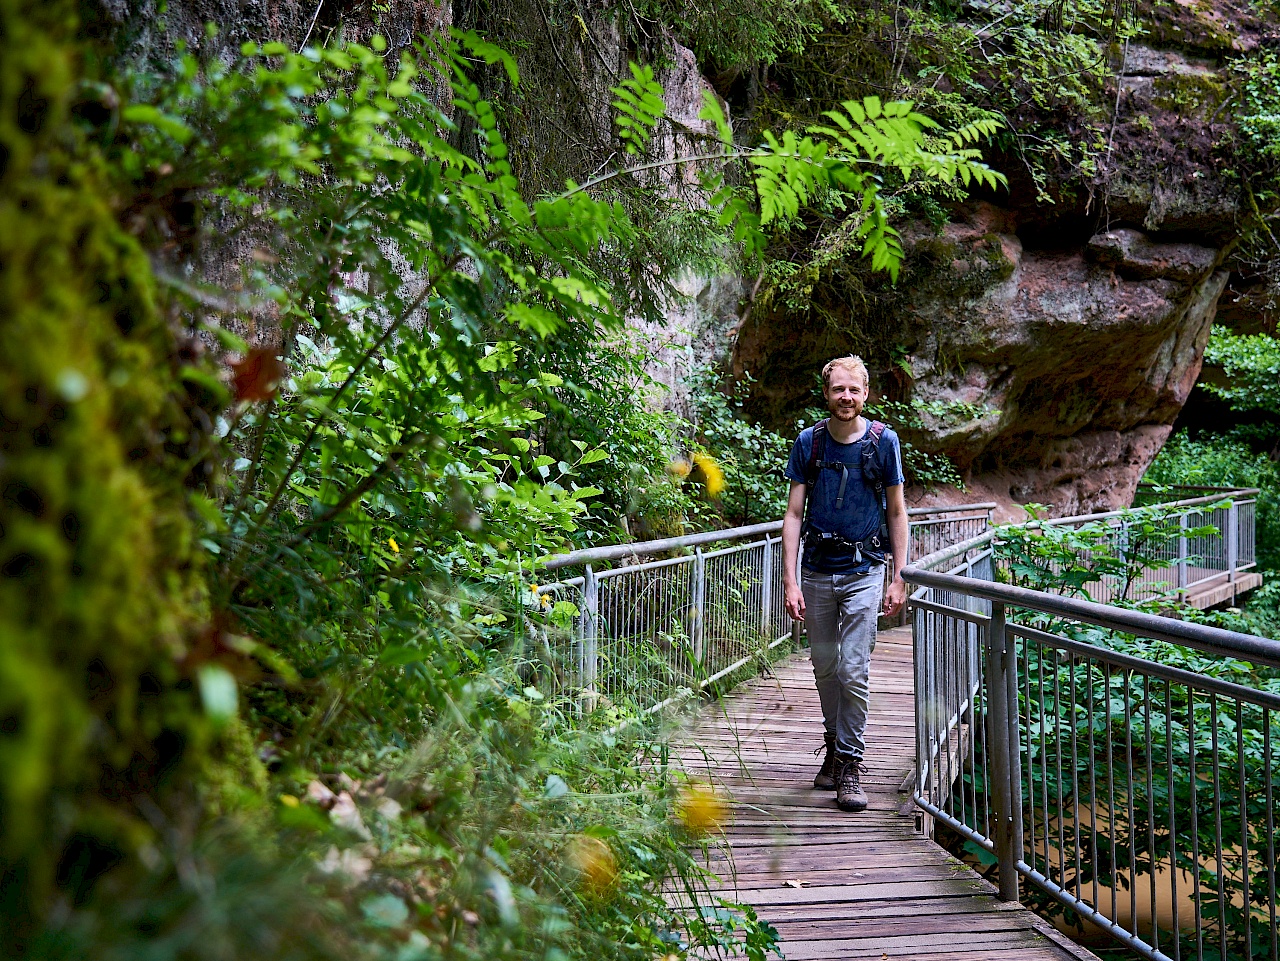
<point>895,597</point>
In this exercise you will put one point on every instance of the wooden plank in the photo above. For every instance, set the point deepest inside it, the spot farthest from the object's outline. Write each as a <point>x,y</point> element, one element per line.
<point>862,885</point>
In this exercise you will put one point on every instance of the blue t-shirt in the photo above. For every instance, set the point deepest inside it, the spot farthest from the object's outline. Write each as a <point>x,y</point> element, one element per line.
<point>859,518</point>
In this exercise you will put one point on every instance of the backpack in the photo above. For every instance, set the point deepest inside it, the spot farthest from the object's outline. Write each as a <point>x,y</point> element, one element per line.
<point>870,457</point>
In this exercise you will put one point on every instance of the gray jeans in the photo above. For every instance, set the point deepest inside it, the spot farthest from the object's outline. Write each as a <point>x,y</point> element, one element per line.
<point>840,613</point>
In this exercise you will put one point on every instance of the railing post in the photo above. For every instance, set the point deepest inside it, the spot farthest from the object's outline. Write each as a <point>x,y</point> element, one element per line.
<point>1233,541</point>
<point>1182,554</point>
<point>766,591</point>
<point>587,654</point>
<point>1002,727</point>
<point>699,597</point>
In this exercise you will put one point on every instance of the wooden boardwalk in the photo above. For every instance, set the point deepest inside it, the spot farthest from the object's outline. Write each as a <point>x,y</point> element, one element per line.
<point>836,885</point>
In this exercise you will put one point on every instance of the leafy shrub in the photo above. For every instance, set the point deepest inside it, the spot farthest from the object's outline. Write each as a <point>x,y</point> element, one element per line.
<point>1251,364</point>
<point>1068,559</point>
<point>752,457</point>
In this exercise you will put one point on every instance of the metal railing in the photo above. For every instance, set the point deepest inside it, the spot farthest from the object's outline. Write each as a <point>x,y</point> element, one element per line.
<point>1124,765</point>
<point>1186,564</point>
<point>660,627</point>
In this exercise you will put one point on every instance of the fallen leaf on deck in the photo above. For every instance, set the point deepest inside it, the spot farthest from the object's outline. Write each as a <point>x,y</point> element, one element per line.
<point>795,884</point>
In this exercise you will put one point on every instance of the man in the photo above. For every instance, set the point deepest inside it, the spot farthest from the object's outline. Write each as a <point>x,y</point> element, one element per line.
<point>849,472</point>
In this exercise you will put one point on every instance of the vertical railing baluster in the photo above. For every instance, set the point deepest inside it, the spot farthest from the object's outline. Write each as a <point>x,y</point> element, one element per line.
<point>766,590</point>
<point>1233,541</point>
<point>1182,555</point>
<point>919,651</point>
<point>1000,725</point>
<point>699,599</point>
<point>590,622</point>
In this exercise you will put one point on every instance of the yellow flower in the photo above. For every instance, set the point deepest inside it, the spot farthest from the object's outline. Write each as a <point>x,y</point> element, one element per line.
<point>594,862</point>
<point>394,546</point>
<point>288,800</point>
<point>701,809</point>
<point>711,472</point>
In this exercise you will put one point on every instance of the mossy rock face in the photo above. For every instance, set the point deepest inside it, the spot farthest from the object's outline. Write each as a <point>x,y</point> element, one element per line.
<point>1189,94</point>
<point>99,581</point>
<point>1214,28</point>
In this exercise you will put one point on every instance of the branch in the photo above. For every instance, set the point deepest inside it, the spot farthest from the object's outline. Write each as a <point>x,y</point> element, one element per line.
<point>235,567</point>
<point>391,462</point>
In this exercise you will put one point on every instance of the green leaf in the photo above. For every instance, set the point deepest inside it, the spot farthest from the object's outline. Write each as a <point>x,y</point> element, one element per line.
<point>713,112</point>
<point>384,910</point>
<point>639,105</point>
<point>488,52</point>
<point>534,318</point>
<point>555,786</point>
<point>498,356</point>
<point>398,656</point>
<point>146,114</point>
<point>217,693</point>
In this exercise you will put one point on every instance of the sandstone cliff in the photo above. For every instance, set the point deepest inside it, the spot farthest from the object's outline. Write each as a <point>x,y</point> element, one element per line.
<point>1069,320</point>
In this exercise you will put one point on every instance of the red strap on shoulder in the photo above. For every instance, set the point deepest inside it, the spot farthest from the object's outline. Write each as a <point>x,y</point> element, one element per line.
<point>819,438</point>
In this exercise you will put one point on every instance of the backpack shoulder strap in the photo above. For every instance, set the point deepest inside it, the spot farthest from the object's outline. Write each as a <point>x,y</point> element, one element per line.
<point>871,454</point>
<point>871,470</point>
<point>817,451</point>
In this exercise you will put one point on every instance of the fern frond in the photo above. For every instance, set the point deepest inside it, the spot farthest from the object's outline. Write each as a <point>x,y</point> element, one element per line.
<point>714,113</point>
<point>639,105</point>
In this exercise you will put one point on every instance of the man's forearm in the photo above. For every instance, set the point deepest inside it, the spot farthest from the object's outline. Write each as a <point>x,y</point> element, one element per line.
<point>898,542</point>
<point>790,548</point>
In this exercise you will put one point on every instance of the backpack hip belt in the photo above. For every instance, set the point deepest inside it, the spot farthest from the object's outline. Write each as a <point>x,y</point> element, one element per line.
<point>874,546</point>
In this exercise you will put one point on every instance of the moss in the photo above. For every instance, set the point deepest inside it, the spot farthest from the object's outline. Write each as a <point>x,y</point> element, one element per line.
<point>1188,94</point>
<point>98,586</point>
<point>233,778</point>
<point>1204,27</point>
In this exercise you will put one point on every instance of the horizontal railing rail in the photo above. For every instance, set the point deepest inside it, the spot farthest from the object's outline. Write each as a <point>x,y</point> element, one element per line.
<point>1124,765</point>
<point>657,629</point>
<point>930,516</point>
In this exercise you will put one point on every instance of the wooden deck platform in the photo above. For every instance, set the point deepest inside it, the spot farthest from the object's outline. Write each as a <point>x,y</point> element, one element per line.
<point>836,885</point>
<point>1218,590</point>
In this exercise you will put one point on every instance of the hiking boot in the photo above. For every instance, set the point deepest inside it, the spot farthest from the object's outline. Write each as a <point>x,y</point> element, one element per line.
<point>849,793</point>
<point>825,779</point>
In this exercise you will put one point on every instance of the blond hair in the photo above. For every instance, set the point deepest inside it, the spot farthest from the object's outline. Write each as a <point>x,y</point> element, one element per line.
<point>851,363</point>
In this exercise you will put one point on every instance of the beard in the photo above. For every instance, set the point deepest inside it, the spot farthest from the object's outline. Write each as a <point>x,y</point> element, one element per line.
<point>846,413</point>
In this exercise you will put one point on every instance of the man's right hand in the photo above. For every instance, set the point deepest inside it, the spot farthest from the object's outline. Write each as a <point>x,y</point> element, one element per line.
<point>795,601</point>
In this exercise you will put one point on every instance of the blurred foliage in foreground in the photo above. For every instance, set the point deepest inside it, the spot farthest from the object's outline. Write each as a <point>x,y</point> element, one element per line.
<point>297,385</point>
